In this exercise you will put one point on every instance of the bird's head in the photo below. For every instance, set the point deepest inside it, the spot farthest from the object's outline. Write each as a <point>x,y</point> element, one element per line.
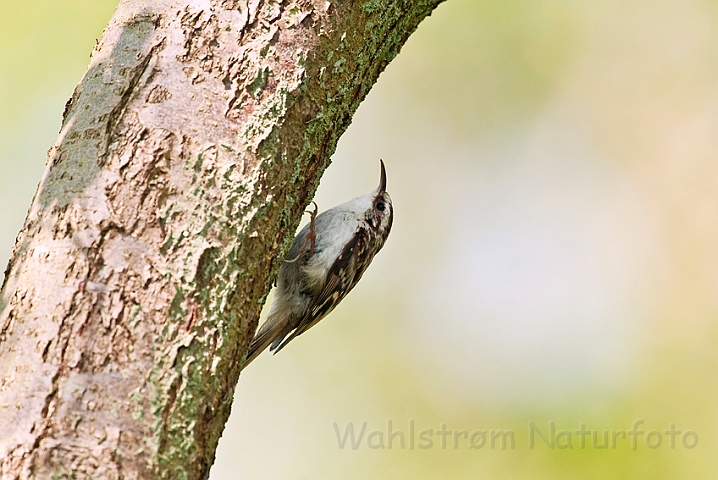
<point>380,213</point>
<point>374,209</point>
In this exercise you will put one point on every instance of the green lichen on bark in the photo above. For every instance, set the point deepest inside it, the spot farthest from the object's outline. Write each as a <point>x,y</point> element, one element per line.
<point>356,60</point>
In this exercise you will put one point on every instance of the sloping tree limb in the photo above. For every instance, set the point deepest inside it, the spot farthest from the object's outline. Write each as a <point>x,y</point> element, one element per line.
<point>186,157</point>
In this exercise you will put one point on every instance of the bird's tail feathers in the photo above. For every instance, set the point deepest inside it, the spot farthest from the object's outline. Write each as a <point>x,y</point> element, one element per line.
<point>271,331</point>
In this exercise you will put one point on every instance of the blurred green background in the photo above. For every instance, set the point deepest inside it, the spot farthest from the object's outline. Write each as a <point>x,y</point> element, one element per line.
<point>554,171</point>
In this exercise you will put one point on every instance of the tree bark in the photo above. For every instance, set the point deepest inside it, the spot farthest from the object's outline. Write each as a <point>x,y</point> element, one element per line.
<point>186,157</point>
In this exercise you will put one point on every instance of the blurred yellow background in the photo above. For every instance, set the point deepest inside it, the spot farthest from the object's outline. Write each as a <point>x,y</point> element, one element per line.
<point>554,258</point>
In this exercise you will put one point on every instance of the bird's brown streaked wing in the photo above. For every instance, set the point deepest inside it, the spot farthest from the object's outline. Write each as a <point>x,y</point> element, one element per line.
<point>341,278</point>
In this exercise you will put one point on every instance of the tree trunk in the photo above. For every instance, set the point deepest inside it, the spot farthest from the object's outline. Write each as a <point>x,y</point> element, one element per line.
<point>186,157</point>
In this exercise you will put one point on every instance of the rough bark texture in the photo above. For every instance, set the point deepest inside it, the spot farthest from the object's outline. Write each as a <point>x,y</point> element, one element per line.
<point>186,156</point>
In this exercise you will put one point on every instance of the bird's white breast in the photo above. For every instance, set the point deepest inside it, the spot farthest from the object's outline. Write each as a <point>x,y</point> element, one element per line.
<point>337,226</point>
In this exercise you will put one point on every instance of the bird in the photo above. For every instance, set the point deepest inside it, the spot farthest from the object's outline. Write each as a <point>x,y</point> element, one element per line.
<point>327,259</point>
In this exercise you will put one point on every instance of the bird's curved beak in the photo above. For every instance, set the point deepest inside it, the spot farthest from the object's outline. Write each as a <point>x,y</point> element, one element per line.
<point>382,181</point>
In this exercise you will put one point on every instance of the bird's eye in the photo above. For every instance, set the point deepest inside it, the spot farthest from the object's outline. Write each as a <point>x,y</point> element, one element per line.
<point>380,206</point>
